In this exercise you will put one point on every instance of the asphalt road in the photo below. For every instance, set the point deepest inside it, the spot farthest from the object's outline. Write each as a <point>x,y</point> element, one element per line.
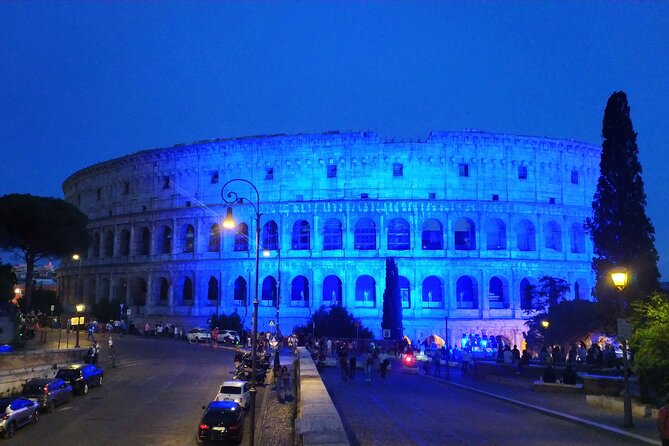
<point>415,410</point>
<point>153,397</point>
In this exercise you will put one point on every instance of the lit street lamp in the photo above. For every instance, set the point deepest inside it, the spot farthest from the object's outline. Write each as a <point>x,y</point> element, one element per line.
<point>80,309</point>
<point>620,278</point>
<point>266,253</point>
<point>77,297</point>
<point>232,197</point>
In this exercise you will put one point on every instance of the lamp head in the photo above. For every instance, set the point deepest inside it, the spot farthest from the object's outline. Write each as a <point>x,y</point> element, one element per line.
<point>545,323</point>
<point>80,308</point>
<point>229,221</point>
<point>76,257</point>
<point>620,277</point>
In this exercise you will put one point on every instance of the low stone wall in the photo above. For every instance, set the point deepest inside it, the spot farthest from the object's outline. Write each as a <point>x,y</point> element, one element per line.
<point>318,422</point>
<point>617,404</point>
<point>16,368</point>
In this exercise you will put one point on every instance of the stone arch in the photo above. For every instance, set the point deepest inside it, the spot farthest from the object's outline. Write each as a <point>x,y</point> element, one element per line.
<point>242,238</point>
<point>96,246</point>
<point>109,244</point>
<point>464,234</point>
<point>432,238</point>
<point>143,242</point>
<point>526,236</point>
<point>581,289</point>
<point>405,291</point>
<point>301,236</point>
<point>163,291</point>
<point>364,234</point>
<point>214,244</point>
<point>495,234</point>
<point>553,236</point>
<point>164,240</point>
<point>270,236</point>
<point>332,234</point>
<point>332,291</point>
<point>399,234</point>
<point>299,291</point>
<point>466,292</point>
<point>188,233</point>
<point>138,289</point>
<point>125,243</point>
<point>365,291</point>
<point>433,292</point>
<point>498,293</point>
<point>268,297</point>
<point>577,238</point>
<point>188,291</point>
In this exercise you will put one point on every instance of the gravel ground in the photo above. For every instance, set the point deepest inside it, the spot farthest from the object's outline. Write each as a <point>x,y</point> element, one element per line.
<point>278,417</point>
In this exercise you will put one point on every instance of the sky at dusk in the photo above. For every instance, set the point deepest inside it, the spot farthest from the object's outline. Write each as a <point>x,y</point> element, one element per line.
<point>85,82</point>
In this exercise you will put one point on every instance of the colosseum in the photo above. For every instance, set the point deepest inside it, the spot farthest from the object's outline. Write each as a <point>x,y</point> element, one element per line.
<point>472,219</point>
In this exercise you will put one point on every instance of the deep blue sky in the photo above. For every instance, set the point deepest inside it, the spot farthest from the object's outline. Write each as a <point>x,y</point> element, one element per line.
<point>82,83</point>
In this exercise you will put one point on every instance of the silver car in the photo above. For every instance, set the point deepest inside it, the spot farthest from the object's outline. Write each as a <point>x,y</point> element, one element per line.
<point>15,412</point>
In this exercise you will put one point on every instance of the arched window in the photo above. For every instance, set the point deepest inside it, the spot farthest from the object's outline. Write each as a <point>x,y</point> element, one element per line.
<point>526,236</point>
<point>189,239</point>
<point>270,236</point>
<point>365,292</point>
<point>242,237</point>
<point>577,238</point>
<point>497,294</point>
<point>121,289</point>
<point>104,290</point>
<point>433,293</point>
<point>164,291</point>
<point>188,290</point>
<point>212,289</point>
<point>399,234</point>
<point>466,293</point>
<point>581,290</point>
<point>125,243</point>
<point>299,292</point>
<point>527,299</point>
<point>138,292</point>
<point>268,298</point>
<point>465,234</point>
<point>145,242</point>
<point>495,234</point>
<point>96,245</point>
<point>553,236</point>
<point>332,291</point>
<point>109,244</point>
<point>332,238</point>
<point>301,239</point>
<point>166,240</point>
<point>214,238</point>
<point>364,235</point>
<point>240,291</point>
<point>405,291</point>
<point>92,292</point>
<point>433,235</point>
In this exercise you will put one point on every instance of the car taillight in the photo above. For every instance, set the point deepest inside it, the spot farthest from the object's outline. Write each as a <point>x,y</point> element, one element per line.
<point>5,416</point>
<point>234,427</point>
<point>46,390</point>
<point>204,426</point>
<point>408,359</point>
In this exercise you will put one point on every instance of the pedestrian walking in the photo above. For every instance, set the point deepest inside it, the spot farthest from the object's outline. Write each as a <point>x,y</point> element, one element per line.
<point>96,353</point>
<point>214,337</point>
<point>352,365</point>
<point>385,364</point>
<point>465,358</point>
<point>436,359</point>
<point>285,382</point>
<point>343,366</point>
<point>89,354</point>
<point>369,365</point>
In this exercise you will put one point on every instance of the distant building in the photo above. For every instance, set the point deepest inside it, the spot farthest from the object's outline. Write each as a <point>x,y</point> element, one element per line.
<point>472,218</point>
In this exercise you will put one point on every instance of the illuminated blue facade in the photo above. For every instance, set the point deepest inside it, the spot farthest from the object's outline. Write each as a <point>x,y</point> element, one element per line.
<point>472,218</point>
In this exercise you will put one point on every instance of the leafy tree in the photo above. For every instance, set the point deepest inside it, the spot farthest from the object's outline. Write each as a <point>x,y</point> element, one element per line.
<point>40,227</point>
<point>569,321</point>
<point>392,301</point>
<point>547,292</point>
<point>7,283</point>
<point>335,322</point>
<point>230,321</point>
<point>44,299</point>
<point>649,340</point>
<point>106,310</point>
<point>621,232</point>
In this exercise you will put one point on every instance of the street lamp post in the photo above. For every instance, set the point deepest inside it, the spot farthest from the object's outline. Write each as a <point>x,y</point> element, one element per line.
<point>620,277</point>
<point>80,309</point>
<point>77,296</point>
<point>232,197</point>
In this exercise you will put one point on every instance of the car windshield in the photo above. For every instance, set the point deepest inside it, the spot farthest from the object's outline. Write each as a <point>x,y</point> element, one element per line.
<point>231,390</point>
<point>68,374</point>
<point>32,389</point>
<point>218,417</point>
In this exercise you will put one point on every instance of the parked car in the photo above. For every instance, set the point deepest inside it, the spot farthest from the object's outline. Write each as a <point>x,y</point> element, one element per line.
<point>81,376</point>
<point>15,412</point>
<point>49,393</point>
<point>236,391</point>
<point>228,337</point>
<point>221,421</point>
<point>198,334</point>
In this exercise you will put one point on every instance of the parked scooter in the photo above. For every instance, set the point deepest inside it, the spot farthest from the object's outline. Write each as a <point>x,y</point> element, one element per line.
<point>244,374</point>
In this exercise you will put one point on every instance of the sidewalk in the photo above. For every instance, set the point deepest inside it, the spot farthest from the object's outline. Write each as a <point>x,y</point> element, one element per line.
<point>570,407</point>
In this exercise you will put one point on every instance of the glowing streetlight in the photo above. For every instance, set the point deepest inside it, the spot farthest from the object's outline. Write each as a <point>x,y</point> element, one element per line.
<point>620,278</point>
<point>545,323</point>
<point>80,309</point>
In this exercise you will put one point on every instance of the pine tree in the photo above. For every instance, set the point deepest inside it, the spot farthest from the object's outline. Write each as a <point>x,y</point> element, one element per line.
<point>621,232</point>
<point>392,302</point>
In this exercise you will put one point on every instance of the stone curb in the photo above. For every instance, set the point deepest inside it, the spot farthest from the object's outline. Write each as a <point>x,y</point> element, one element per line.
<point>559,415</point>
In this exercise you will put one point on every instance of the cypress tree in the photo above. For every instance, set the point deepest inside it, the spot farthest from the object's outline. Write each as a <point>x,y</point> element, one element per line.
<point>392,302</point>
<point>621,232</point>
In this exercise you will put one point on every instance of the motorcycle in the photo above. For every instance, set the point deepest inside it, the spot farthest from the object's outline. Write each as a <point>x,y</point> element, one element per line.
<point>245,375</point>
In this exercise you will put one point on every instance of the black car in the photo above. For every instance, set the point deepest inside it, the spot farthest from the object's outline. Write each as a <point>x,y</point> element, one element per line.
<point>15,412</point>
<point>49,393</point>
<point>221,421</point>
<point>81,376</point>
